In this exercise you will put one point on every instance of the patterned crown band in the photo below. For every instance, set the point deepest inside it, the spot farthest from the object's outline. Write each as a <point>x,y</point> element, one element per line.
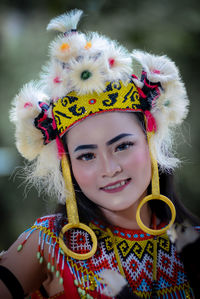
<point>117,96</point>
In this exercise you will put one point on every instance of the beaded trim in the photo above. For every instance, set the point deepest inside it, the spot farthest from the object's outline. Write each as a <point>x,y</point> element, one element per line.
<point>133,248</point>
<point>85,280</point>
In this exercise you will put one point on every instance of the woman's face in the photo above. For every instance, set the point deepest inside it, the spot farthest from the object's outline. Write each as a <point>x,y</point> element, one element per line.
<point>110,159</point>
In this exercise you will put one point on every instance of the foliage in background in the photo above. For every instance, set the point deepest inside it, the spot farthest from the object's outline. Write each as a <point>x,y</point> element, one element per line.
<point>159,26</point>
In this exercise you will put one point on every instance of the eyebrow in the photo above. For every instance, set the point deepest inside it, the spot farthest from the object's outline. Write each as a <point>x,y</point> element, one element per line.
<point>118,137</point>
<point>94,146</point>
<point>85,146</point>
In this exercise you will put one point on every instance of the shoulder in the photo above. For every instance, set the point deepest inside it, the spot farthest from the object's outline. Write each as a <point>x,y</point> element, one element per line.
<point>21,260</point>
<point>50,220</point>
<point>50,223</point>
<point>27,257</point>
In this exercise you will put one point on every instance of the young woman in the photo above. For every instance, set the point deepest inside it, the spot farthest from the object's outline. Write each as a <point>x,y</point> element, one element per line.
<point>100,138</point>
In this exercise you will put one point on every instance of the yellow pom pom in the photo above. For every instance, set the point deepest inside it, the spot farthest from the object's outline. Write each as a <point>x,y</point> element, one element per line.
<point>64,46</point>
<point>88,45</point>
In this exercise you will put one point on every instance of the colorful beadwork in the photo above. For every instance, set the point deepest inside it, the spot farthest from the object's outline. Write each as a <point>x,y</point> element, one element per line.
<point>92,101</point>
<point>135,250</point>
<point>117,96</point>
<point>72,108</point>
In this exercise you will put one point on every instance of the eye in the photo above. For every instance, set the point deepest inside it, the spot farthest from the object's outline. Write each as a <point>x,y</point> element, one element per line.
<point>123,146</point>
<point>86,157</point>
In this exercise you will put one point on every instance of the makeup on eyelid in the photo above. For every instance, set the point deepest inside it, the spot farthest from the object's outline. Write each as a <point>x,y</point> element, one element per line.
<point>122,146</point>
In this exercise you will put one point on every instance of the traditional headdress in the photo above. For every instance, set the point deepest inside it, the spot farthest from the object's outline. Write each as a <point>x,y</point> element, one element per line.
<point>88,74</point>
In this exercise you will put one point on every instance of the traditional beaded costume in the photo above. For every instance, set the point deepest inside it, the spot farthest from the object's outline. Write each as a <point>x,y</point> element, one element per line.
<point>89,74</point>
<point>81,278</point>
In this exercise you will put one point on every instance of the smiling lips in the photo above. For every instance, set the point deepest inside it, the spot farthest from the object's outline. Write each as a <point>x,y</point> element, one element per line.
<point>116,187</point>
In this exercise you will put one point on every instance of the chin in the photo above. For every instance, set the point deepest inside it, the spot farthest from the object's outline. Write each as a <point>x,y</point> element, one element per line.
<point>119,206</point>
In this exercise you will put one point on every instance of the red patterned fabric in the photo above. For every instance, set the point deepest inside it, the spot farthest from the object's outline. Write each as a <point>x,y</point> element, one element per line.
<point>135,249</point>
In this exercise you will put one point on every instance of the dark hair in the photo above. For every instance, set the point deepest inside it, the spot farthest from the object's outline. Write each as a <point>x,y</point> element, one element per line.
<point>88,210</point>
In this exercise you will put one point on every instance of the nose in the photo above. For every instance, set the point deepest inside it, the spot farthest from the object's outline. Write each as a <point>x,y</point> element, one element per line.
<point>110,166</point>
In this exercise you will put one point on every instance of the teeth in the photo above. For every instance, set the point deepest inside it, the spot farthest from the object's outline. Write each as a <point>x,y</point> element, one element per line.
<point>115,186</point>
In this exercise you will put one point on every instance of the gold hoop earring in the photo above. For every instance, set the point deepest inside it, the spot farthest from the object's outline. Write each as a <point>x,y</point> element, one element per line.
<point>155,232</point>
<point>69,252</point>
<point>155,196</point>
<point>73,218</point>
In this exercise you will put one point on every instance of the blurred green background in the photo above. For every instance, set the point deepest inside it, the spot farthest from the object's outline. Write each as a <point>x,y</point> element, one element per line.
<point>159,26</point>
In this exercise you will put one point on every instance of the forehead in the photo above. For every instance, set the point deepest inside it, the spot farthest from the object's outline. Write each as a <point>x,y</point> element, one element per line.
<point>104,126</point>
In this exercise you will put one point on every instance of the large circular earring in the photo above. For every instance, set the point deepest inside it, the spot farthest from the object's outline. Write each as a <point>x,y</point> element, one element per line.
<point>155,196</point>
<point>73,218</point>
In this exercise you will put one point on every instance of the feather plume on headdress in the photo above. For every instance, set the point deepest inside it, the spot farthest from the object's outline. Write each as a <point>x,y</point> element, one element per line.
<point>25,108</point>
<point>170,108</point>
<point>66,22</point>
<point>44,169</point>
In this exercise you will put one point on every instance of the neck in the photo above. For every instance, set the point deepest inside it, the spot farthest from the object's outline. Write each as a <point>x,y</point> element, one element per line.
<point>127,218</point>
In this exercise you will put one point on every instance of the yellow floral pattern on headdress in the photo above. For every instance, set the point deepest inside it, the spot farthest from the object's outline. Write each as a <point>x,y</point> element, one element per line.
<point>73,107</point>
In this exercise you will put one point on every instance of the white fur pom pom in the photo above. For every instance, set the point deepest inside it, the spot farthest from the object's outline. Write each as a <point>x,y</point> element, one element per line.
<point>25,108</point>
<point>66,21</point>
<point>87,75</point>
<point>114,281</point>
<point>172,104</point>
<point>158,68</point>
<point>116,58</point>
<point>55,79</point>
<point>44,173</point>
<point>119,62</point>
<point>182,235</point>
<point>64,48</point>
<point>170,108</point>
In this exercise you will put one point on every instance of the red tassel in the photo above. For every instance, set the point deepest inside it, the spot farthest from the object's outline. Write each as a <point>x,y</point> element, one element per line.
<point>59,143</point>
<point>151,122</point>
<point>61,150</point>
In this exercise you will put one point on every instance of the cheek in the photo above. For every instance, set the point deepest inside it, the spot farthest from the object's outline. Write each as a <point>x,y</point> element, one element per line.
<point>143,159</point>
<point>83,175</point>
<point>140,161</point>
